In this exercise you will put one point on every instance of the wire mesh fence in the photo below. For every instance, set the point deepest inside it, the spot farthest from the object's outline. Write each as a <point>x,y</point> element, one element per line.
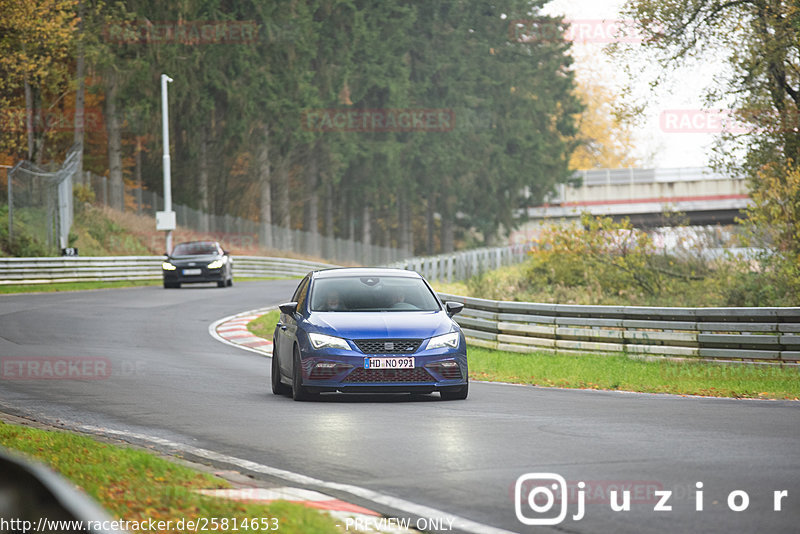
<point>40,201</point>
<point>42,204</point>
<point>236,232</point>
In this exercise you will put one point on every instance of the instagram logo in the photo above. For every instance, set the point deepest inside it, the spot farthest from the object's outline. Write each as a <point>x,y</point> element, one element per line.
<point>540,491</point>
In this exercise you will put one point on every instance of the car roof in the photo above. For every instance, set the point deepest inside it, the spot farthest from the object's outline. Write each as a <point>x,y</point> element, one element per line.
<point>364,271</point>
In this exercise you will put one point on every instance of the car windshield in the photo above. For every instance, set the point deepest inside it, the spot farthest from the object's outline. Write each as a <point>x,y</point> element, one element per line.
<point>372,293</point>
<point>194,249</point>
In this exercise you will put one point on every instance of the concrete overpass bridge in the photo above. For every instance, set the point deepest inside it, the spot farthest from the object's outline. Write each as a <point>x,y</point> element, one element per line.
<point>643,195</point>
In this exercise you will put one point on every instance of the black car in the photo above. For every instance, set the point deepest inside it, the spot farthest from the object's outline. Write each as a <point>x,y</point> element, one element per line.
<point>198,261</point>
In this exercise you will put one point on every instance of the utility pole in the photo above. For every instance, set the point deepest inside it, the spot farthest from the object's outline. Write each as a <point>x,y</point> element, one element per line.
<point>10,205</point>
<point>165,220</point>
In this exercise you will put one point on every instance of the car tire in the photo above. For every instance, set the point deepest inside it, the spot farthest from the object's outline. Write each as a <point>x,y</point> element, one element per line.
<point>455,393</point>
<point>230,281</point>
<point>172,285</point>
<point>221,283</point>
<point>299,393</point>
<point>278,387</point>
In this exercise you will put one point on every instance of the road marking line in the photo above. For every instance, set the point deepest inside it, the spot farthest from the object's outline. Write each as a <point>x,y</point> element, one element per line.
<point>402,505</point>
<point>312,499</point>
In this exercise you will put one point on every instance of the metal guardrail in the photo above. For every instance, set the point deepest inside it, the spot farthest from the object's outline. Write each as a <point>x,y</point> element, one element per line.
<point>35,498</point>
<point>109,269</point>
<point>465,264</point>
<point>257,266</point>
<point>731,334</point>
<point>754,334</point>
<point>449,267</point>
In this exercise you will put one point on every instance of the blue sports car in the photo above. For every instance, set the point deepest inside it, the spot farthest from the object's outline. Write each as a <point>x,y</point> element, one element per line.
<point>366,331</point>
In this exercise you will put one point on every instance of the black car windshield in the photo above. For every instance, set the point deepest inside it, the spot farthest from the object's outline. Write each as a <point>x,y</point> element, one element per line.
<point>194,249</point>
<point>372,293</point>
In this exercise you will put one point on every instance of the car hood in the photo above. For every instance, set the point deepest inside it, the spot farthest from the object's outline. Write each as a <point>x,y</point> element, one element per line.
<point>206,258</point>
<point>376,325</point>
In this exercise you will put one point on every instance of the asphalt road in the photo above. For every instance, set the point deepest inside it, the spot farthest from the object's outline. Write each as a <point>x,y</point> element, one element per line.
<point>148,365</point>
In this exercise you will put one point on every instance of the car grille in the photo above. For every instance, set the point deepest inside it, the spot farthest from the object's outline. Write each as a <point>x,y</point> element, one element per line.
<point>362,376</point>
<point>388,346</point>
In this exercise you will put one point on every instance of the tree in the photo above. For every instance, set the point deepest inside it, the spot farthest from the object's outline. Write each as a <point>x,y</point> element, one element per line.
<point>606,142</point>
<point>35,41</point>
<point>775,220</point>
<point>514,109</point>
<point>759,40</point>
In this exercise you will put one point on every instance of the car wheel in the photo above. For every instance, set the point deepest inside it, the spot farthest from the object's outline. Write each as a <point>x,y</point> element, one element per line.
<point>221,283</point>
<point>455,393</point>
<point>278,387</point>
<point>230,281</point>
<point>171,285</point>
<point>299,393</point>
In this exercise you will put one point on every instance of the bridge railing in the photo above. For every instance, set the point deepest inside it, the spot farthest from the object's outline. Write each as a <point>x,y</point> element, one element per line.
<point>730,334</point>
<point>631,176</point>
<point>643,176</point>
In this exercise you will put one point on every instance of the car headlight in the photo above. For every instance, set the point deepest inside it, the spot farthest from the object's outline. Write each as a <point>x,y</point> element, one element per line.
<point>322,341</point>
<point>167,266</point>
<point>216,264</point>
<point>446,340</point>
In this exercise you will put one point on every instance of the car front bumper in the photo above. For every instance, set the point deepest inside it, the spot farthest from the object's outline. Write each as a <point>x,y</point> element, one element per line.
<point>206,275</point>
<point>338,370</point>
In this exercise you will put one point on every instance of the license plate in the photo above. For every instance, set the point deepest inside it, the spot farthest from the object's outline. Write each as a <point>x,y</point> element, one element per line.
<point>189,272</point>
<point>388,363</point>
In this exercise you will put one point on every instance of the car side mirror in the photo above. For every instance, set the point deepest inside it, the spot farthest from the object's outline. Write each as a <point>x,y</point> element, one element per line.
<point>288,308</point>
<point>453,307</point>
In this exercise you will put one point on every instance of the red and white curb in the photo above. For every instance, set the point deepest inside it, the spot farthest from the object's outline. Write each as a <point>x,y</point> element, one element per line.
<point>310,498</point>
<point>232,330</point>
<point>350,517</point>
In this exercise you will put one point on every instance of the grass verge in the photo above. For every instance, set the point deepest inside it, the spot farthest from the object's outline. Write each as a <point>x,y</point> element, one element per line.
<point>74,286</point>
<point>623,373</point>
<point>82,286</point>
<point>264,325</point>
<point>135,485</point>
